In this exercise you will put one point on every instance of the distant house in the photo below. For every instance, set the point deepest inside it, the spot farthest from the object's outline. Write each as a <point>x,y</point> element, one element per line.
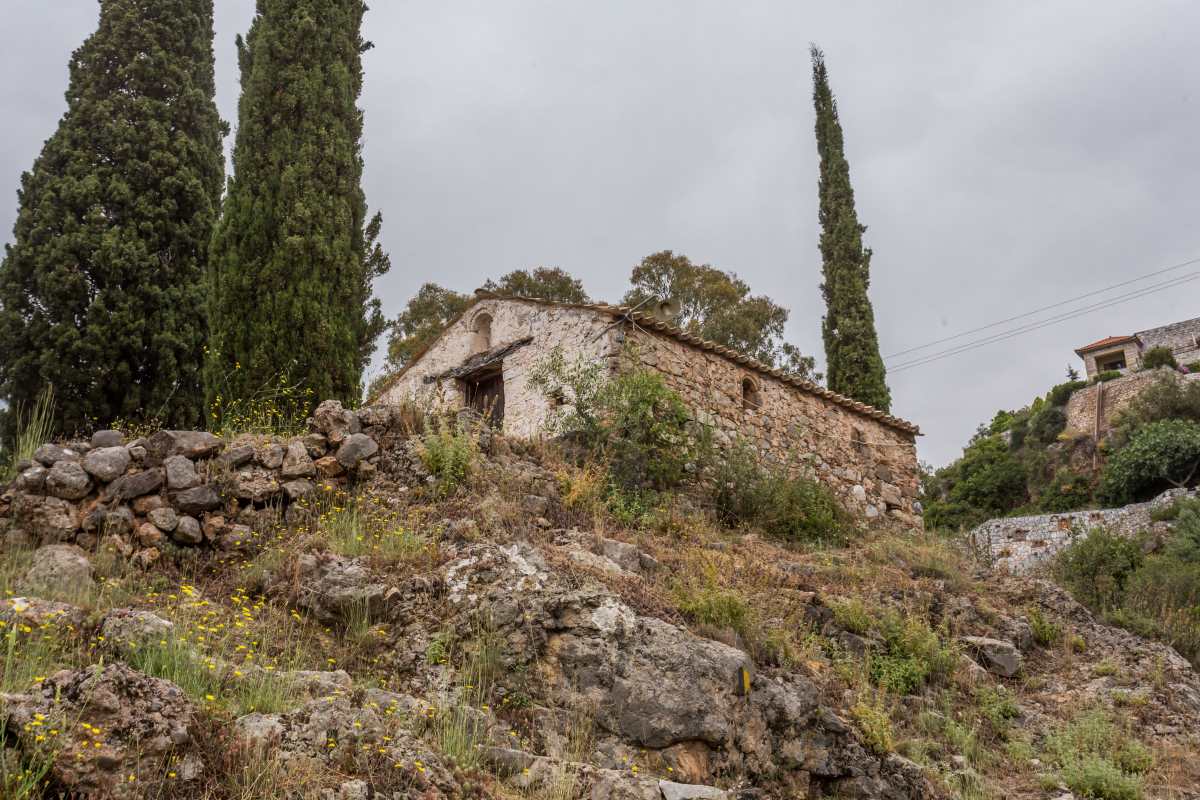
<point>1124,353</point>
<point>484,358</point>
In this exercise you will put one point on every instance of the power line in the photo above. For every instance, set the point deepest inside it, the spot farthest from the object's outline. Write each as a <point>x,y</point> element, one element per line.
<point>1045,308</point>
<point>999,337</point>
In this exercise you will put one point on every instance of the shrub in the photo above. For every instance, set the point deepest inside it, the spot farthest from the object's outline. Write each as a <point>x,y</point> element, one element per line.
<point>1097,568</point>
<point>1047,424</point>
<point>1160,455</point>
<point>448,451</point>
<point>1067,491</point>
<point>32,428</point>
<point>1060,394</point>
<point>1193,366</point>
<point>792,509</point>
<point>1106,376</point>
<point>1045,632</point>
<point>1097,758</point>
<point>1184,544</point>
<point>1166,398</point>
<point>988,481</point>
<point>1159,357</point>
<point>875,723</point>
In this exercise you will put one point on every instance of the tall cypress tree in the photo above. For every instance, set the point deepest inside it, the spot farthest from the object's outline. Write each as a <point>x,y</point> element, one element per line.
<point>294,256</point>
<point>853,364</point>
<point>101,290</point>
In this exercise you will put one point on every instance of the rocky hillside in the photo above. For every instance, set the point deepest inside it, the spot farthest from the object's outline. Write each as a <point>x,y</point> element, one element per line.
<point>360,612</point>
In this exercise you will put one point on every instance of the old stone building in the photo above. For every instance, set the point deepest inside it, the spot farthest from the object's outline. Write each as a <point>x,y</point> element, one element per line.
<point>484,358</point>
<point>1124,353</point>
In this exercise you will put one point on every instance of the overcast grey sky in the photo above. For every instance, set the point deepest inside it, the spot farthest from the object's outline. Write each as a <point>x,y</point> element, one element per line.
<point>1005,156</point>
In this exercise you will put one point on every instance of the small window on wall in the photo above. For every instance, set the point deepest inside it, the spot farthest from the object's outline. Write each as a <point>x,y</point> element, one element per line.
<point>750,395</point>
<point>482,328</point>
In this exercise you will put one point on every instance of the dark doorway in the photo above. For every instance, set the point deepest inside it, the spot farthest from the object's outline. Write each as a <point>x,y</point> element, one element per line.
<point>485,394</point>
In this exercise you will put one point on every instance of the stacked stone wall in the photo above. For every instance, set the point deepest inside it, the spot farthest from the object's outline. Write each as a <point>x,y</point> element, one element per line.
<point>186,488</point>
<point>1118,394</point>
<point>1183,338</point>
<point>872,466</point>
<point>1018,544</point>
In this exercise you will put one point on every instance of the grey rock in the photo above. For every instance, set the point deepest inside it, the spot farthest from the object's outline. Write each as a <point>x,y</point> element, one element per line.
<point>50,454</point>
<point>334,588</point>
<point>128,487</point>
<point>234,537</point>
<point>690,791</point>
<point>181,472</point>
<point>1002,658</point>
<point>188,531</point>
<point>197,500</point>
<point>316,444</point>
<point>68,480</point>
<point>357,447</point>
<point>255,485</point>
<point>297,463</point>
<point>193,444</point>
<point>271,456</point>
<point>117,522</point>
<point>106,464</point>
<point>298,489</point>
<point>128,628</point>
<point>236,456</point>
<point>334,421</point>
<point>59,569</point>
<point>32,479</point>
<point>165,519</point>
<point>108,439</point>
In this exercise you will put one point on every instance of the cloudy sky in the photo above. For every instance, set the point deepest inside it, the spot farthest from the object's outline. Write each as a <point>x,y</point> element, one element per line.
<point>1005,157</point>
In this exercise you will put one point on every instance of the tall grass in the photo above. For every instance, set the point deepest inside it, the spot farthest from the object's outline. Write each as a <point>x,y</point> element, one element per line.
<point>33,426</point>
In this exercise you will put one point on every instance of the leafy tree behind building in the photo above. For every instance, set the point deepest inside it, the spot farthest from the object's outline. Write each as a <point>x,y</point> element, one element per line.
<point>855,367</point>
<point>294,256</point>
<point>101,291</point>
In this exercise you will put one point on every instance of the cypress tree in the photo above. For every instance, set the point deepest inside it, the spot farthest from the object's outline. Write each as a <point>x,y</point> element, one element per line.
<point>853,363</point>
<point>294,256</point>
<point>101,289</point>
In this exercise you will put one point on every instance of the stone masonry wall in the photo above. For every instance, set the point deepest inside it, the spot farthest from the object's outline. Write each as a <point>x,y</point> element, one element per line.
<point>1018,544</point>
<point>870,465</point>
<point>582,333</point>
<point>1118,393</point>
<point>1182,337</point>
<point>188,488</point>
<point>1133,358</point>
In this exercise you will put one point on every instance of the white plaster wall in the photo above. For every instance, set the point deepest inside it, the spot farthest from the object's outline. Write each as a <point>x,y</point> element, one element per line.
<point>581,332</point>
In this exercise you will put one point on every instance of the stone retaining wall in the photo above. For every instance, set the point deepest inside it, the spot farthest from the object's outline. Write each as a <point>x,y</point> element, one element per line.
<point>189,487</point>
<point>1018,544</point>
<point>1118,394</point>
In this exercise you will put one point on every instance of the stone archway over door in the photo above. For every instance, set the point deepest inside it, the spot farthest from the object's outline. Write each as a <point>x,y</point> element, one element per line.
<point>485,395</point>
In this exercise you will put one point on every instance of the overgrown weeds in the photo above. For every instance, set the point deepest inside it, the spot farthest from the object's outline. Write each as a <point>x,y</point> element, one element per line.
<point>449,452</point>
<point>33,426</point>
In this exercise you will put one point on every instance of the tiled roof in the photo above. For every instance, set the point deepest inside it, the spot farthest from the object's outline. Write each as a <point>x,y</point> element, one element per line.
<point>653,323</point>
<point>1108,341</point>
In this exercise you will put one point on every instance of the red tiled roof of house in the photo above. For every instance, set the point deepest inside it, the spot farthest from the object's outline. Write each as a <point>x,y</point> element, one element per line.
<point>1107,341</point>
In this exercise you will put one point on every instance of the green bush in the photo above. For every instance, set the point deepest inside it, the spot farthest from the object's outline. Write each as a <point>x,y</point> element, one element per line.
<point>1184,544</point>
<point>1166,398</point>
<point>1193,366</point>
<point>988,481</point>
<point>1107,375</point>
<point>1160,455</point>
<point>634,422</point>
<point>911,656</point>
<point>1159,357</point>
<point>1067,491</point>
<point>448,451</point>
<point>1060,394</point>
<point>788,508</point>
<point>1099,759</point>
<point>1047,424</point>
<point>1097,568</point>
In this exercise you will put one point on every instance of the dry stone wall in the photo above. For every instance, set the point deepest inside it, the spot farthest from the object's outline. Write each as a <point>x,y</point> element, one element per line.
<point>872,466</point>
<point>1018,544</point>
<point>1118,393</point>
<point>186,488</point>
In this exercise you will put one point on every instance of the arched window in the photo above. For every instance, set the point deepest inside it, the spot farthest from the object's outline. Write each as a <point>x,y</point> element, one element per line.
<point>750,396</point>
<point>482,327</point>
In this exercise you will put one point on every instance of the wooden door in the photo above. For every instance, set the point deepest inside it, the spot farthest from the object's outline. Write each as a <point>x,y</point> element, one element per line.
<point>486,396</point>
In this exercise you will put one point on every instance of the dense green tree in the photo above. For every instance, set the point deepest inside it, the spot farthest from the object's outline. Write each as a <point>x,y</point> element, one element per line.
<point>718,306</point>
<point>101,289</point>
<point>294,255</point>
<point>546,283</point>
<point>854,365</point>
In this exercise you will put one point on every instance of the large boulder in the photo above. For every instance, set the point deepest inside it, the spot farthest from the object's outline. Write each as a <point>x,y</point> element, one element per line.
<point>336,589</point>
<point>106,464</point>
<point>357,447</point>
<point>59,569</point>
<point>127,487</point>
<point>68,480</point>
<point>192,444</point>
<point>297,463</point>
<point>1000,657</point>
<point>142,722</point>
